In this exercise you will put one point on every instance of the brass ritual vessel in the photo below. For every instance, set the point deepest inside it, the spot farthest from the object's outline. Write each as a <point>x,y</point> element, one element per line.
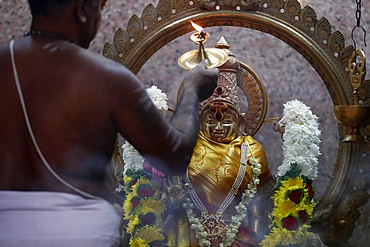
<point>354,116</point>
<point>216,57</point>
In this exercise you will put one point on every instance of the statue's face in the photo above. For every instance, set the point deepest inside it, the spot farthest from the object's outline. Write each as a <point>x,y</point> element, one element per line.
<point>220,125</point>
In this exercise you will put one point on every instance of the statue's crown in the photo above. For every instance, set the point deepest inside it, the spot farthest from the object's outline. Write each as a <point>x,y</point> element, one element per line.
<point>227,89</point>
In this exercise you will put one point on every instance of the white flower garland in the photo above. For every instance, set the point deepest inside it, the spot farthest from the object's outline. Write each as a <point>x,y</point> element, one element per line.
<point>159,99</point>
<point>241,209</point>
<point>131,157</point>
<point>301,139</point>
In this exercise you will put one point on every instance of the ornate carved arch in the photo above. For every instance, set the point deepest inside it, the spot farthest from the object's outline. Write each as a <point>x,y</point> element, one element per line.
<point>298,27</point>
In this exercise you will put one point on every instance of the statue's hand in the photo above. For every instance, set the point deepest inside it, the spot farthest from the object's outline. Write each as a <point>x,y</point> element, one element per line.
<point>176,190</point>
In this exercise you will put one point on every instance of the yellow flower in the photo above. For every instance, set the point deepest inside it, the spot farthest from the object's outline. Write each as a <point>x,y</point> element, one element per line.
<point>293,183</point>
<point>132,223</point>
<point>281,236</point>
<point>127,206</point>
<point>150,234</point>
<point>282,211</point>
<point>127,179</point>
<point>152,205</point>
<point>138,242</point>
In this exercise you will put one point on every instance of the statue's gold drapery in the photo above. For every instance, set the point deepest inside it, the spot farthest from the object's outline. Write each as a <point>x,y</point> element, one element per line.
<point>218,163</point>
<point>298,27</point>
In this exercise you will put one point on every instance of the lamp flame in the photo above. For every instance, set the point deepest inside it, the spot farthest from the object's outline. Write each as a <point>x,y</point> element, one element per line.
<point>200,36</point>
<point>197,27</point>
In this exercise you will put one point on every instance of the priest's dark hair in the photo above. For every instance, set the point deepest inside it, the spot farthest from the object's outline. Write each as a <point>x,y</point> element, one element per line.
<point>46,7</point>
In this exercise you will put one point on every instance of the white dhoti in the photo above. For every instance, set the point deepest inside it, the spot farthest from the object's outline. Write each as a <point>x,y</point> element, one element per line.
<point>53,219</point>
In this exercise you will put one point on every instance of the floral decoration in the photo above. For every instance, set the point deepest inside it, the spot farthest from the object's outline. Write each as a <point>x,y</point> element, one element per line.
<point>143,205</point>
<point>301,140</point>
<point>294,195</point>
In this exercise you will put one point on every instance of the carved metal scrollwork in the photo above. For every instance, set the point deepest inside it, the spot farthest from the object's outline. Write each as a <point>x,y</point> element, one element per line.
<point>336,224</point>
<point>245,5</point>
<point>254,89</point>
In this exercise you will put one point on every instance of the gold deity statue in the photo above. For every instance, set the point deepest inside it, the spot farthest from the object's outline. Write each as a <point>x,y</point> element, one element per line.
<point>225,197</point>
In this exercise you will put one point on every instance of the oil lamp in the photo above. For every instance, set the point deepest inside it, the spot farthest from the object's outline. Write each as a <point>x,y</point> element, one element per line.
<point>356,115</point>
<point>216,57</point>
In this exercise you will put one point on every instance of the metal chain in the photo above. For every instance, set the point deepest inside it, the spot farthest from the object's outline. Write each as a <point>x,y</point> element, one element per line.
<point>358,13</point>
<point>358,18</point>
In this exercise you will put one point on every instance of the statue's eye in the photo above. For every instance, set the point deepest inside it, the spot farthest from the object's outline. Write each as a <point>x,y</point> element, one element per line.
<point>210,122</point>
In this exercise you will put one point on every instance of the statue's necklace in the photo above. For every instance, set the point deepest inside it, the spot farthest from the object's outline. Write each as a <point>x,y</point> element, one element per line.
<point>49,35</point>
